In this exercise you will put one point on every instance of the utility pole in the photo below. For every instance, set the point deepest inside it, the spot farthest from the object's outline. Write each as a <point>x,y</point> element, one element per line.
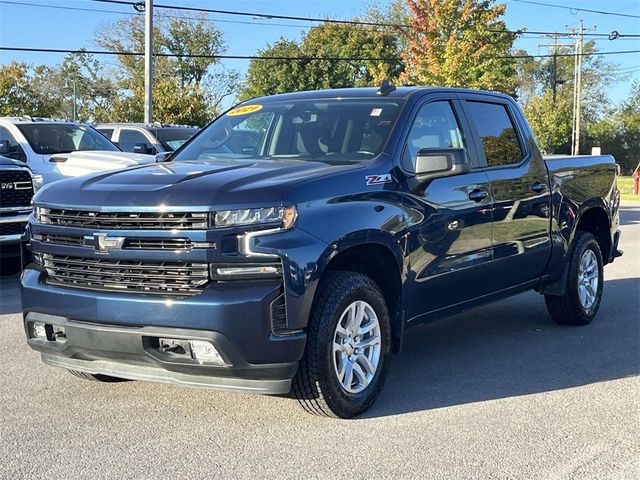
<point>577,89</point>
<point>554,66</point>
<point>75,101</point>
<point>148,61</point>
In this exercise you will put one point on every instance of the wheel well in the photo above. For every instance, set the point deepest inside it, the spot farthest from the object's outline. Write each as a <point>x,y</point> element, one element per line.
<point>596,222</point>
<point>378,263</point>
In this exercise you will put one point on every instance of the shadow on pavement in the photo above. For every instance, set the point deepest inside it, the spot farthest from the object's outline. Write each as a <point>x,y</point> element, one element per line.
<point>512,348</point>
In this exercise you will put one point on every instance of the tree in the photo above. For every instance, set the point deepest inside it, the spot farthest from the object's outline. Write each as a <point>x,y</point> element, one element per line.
<point>186,89</point>
<point>267,77</point>
<point>459,43</point>
<point>551,119</point>
<point>18,96</point>
<point>95,91</point>
<point>618,134</point>
<point>551,122</point>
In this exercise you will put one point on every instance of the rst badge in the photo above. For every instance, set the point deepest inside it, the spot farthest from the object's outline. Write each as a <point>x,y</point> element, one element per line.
<point>102,243</point>
<point>378,179</point>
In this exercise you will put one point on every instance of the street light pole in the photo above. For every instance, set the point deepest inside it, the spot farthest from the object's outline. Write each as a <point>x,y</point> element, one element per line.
<point>148,61</point>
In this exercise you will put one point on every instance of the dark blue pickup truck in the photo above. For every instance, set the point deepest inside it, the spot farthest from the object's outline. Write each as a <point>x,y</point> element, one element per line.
<point>290,244</point>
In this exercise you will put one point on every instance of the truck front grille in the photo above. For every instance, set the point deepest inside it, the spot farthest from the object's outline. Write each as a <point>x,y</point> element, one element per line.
<point>147,277</point>
<point>124,220</point>
<point>16,189</point>
<point>12,228</point>
<point>129,244</point>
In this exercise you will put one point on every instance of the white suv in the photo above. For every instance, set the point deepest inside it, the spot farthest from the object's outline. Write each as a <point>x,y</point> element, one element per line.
<point>150,138</point>
<point>60,149</point>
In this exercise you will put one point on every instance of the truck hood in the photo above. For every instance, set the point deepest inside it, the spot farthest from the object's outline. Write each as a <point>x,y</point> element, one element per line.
<point>85,162</point>
<point>199,185</point>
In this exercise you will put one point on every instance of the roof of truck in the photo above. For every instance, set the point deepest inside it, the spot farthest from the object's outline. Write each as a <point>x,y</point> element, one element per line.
<point>369,92</point>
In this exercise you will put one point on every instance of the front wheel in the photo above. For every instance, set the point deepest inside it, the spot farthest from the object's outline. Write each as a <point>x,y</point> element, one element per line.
<point>583,294</point>
<point>343,369</point>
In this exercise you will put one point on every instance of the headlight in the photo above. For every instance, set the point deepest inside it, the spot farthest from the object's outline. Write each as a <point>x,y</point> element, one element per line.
<point>282,216</point>
<point>40,214</point>
<point>38,181</point>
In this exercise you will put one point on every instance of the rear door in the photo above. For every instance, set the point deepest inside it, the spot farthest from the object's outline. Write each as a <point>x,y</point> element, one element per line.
<point>518,180</point>
<point>449,243</point>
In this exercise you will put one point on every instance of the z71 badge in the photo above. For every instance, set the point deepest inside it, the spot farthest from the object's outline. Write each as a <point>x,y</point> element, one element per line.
<point>378,179</point>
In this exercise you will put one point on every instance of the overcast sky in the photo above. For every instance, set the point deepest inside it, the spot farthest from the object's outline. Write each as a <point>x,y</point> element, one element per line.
<point>37,26</point>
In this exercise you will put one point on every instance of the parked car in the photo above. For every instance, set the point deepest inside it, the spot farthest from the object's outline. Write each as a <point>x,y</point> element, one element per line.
<point>296,239</point>
<point>147,138</point>
<point>17,186</point>
<point>59,149</point>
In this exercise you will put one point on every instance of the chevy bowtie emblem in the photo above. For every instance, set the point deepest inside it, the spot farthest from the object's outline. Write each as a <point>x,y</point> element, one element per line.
<point>102,243</point>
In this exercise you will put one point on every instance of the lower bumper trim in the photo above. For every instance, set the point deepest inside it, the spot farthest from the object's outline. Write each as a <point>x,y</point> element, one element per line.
<point>153,374</point>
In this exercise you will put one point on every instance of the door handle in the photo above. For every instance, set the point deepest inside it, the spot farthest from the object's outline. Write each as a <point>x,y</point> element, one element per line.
<point>538,187</point>
<point>478,195</point>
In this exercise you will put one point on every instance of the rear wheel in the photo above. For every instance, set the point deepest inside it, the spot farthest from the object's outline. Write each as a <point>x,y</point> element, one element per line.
<point>343,369</point>
<point>96,377</point>
<point>581,300</point>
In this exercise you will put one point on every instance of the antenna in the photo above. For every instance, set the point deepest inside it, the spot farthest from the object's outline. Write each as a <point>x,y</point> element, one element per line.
<point>386,87</point>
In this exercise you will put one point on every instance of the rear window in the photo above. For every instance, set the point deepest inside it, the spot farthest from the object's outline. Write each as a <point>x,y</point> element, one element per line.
<point>51,138</point>
<point>172,138</point>
<point>497,133</point>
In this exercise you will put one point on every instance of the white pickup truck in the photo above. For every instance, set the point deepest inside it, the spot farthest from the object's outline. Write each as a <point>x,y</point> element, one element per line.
<point>61,149</point>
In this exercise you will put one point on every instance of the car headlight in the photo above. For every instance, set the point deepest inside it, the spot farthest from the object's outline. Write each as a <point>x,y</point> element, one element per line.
<point>284,217</point>
<point>38,181</point>
<point>40,214</point>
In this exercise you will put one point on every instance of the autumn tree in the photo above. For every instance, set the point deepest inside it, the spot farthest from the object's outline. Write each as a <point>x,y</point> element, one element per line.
<point>187,89</point>
<point>18,96</point>
<point>459,43</point>
<point>378,46</point>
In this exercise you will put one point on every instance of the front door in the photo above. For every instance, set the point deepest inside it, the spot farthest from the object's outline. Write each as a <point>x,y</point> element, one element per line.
<point>449,242</point>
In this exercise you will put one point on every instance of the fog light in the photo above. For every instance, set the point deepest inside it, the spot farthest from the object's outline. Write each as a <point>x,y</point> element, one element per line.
<point>39,331</point>
<point>205,352</point>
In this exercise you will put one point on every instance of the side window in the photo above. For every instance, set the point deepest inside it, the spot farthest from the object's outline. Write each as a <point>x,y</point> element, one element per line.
<point>107,132</point>
<point>435,126</point>
<point>15,151</point>
<point>128,138</point>
<point>497,133</point>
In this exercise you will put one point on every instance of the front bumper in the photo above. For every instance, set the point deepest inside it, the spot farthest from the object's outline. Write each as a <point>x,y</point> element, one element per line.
<point>117,334</point>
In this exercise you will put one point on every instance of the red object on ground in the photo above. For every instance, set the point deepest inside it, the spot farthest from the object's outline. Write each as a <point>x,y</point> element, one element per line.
<point>636,181</point>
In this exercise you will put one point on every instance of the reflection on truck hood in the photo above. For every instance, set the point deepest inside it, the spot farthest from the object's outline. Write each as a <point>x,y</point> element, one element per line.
<point>187,184</point>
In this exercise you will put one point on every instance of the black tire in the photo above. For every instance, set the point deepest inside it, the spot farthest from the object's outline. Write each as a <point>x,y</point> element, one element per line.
<point>316,385</point>
<point>567,309</point>
<point>96,377</point>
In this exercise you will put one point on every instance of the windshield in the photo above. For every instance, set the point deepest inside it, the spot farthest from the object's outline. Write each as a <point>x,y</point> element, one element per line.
<point>50,138</point>
<point>172,138</point>
<point>333,130</point>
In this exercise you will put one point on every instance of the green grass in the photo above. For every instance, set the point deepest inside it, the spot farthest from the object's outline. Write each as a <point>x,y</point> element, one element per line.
<point>625,184</point>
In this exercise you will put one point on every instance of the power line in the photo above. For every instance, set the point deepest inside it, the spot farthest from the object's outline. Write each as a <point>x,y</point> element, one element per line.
<point>257,57</point>
<point>331,20</point>
<point>577,9</point>
<point>521,32</point>
<point>97,10</point>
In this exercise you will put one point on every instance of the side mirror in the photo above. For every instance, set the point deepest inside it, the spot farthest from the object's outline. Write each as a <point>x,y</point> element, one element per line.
<point>141,148</point>
<point>441,162</point>
<point>163,156</point>
<point>5,147</point>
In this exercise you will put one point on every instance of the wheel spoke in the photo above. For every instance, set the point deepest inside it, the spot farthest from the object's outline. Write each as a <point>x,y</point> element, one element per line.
<point>347,379</point>
<point>367,328</point>
<point>364,361</point>
<point>359,314</point>
<point>369,342</point>
<point>359,372</point>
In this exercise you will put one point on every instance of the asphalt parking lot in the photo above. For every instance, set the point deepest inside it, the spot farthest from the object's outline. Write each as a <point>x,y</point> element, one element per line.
<point>498,392</point>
